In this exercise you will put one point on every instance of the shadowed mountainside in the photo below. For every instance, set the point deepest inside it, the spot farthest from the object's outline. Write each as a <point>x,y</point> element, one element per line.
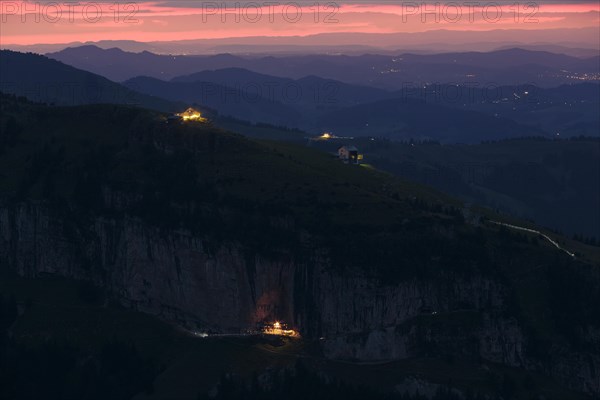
<point>553,182</point>
<point>216,232</point>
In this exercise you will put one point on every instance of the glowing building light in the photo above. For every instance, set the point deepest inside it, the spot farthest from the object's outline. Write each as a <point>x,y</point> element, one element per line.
<point>192,115</point>
<point>279,329</point>
<point>326,136</point>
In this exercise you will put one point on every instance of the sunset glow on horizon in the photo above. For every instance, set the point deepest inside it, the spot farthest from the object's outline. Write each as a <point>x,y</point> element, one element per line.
<point>27,23</point>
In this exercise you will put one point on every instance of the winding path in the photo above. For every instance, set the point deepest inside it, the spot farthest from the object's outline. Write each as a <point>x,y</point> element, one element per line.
<point>548,238</point>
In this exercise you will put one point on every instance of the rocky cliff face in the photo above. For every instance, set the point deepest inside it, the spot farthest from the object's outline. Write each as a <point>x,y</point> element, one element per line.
<point>180,277</point>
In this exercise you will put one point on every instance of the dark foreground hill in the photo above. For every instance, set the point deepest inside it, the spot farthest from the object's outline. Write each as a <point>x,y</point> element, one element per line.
<point>214,232</point>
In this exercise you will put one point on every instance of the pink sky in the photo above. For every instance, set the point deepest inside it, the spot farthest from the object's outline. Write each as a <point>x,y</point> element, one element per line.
<point>33,22</point>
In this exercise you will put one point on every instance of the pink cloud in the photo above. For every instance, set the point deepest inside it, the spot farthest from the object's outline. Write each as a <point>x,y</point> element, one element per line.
<point>31,22</point>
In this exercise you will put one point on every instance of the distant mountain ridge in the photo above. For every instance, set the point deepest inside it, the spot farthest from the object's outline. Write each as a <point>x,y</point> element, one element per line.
<point>315,104</point>
<point>226,100</point>
<point>403,119</point>
<point>433,41</point>
<point>312,103</point>
<point>309,91</point>
<point>383,71</point>
<point>346,110</point>
<point>43,79</point>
